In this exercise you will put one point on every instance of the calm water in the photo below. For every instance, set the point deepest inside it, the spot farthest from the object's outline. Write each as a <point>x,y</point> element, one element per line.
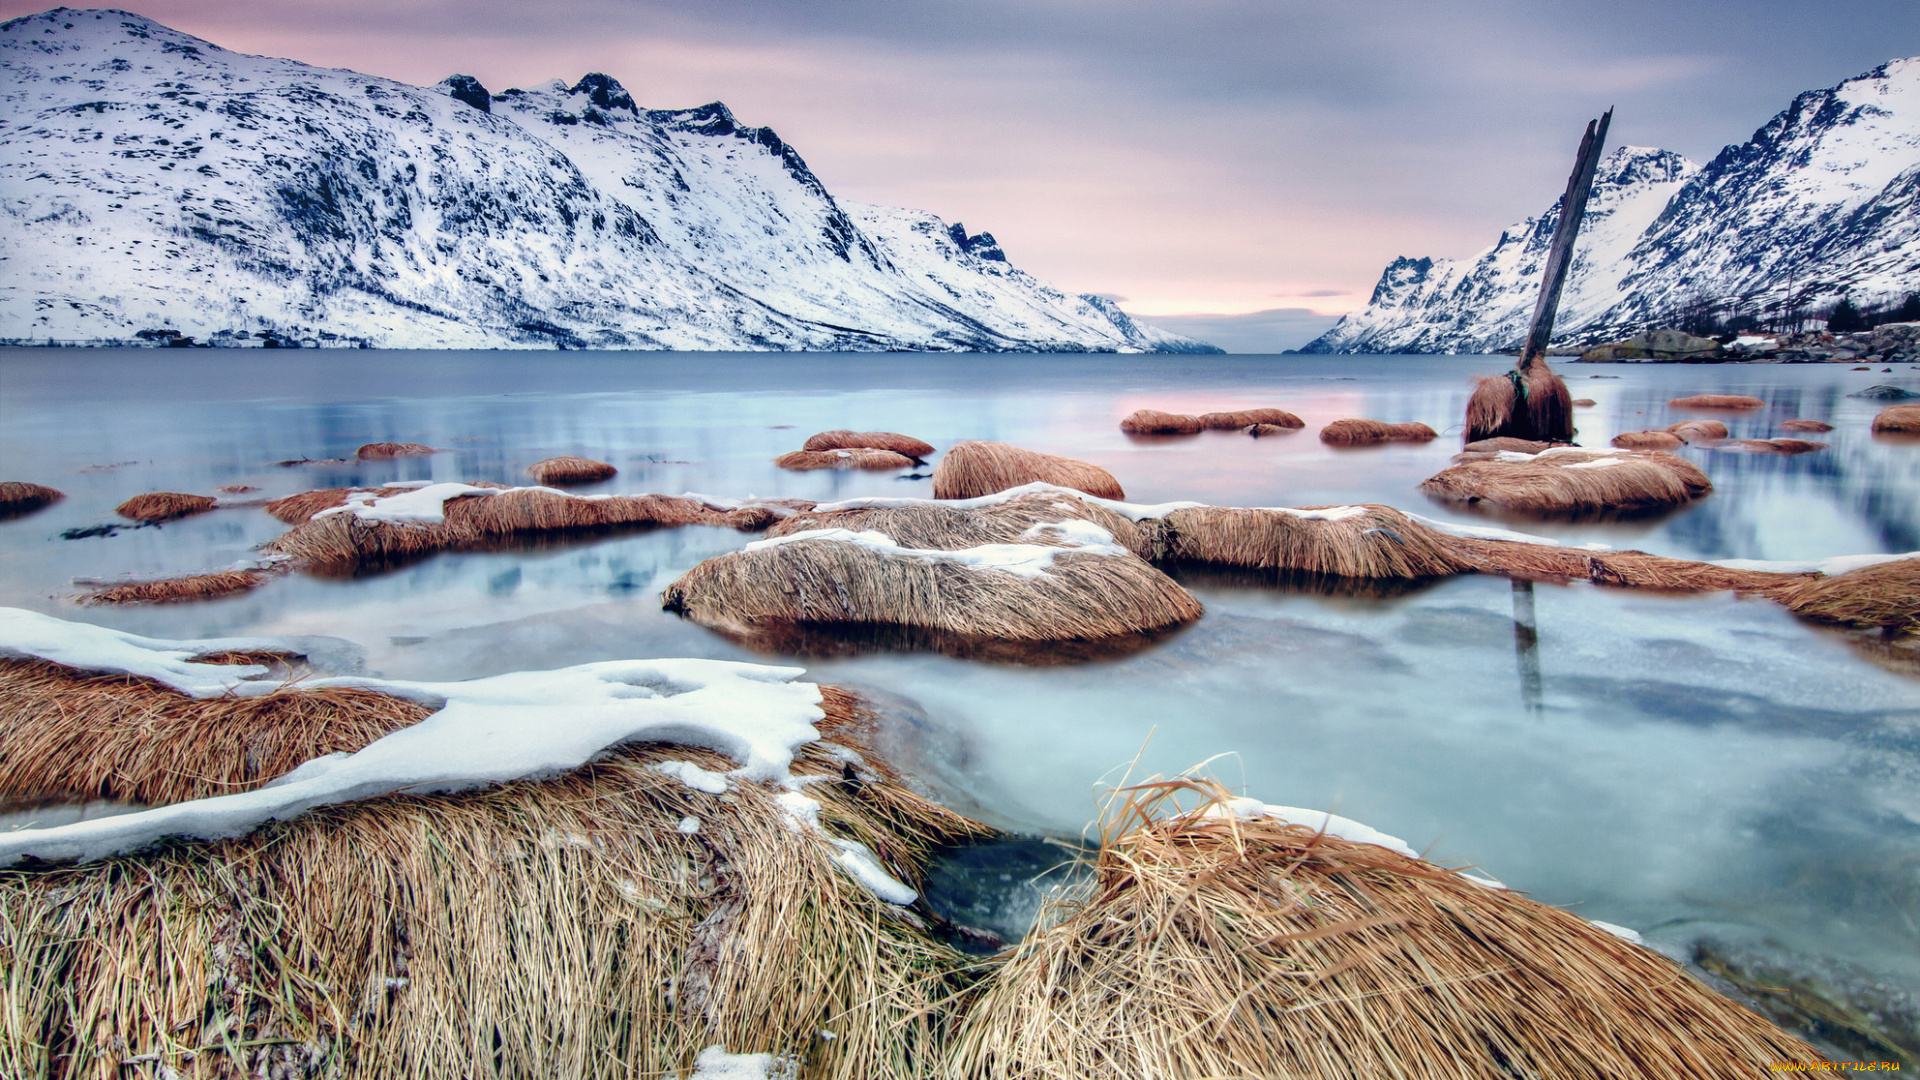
<point>1683,765</point>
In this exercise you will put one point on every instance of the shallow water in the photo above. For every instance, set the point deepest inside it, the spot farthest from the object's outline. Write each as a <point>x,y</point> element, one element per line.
<point>1667,763</point>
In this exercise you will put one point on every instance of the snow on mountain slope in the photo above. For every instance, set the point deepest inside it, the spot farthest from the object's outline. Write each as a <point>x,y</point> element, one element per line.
<point>1821,201</point>
<point>149,179</point>
<point>1443,305</point>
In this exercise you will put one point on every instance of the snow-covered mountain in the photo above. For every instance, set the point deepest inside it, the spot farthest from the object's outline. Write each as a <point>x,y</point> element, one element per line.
<point>150,180</point>
<point>1822,202</point>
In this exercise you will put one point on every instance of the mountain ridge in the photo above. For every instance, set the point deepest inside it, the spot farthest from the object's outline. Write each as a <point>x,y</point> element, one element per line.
<point>1820,203</point>
<point>154,180</point>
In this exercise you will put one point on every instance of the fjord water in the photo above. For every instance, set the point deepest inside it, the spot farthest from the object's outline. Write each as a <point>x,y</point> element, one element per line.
<point>1686,765</point>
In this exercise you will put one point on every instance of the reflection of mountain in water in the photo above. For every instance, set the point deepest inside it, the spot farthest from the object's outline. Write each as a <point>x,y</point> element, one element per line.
<point>1760,495</point>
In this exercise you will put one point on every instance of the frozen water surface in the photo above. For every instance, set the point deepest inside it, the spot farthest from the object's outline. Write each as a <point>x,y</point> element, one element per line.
<point>1662,763</point>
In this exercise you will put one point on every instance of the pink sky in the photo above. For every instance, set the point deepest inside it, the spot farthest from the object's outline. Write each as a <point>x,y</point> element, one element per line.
<point>1224,157</point>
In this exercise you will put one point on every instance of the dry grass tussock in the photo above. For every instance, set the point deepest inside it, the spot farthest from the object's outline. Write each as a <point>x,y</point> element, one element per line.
<point>1805,425</point>
<point>1155,422</point>
<point>1358,432</point>
<point>946,527</point>
<point>1699,431</point>
<point>1530,404</point>
<point>973,468</point>
<point>869,440</point>
<point>562,471</point>
<point>1507,443</point>
<point>1079,597</point>
<point>1211,947</point>
<point>1626,569</point>
<point>1899,419</point>
<point>1717,401</point>
<point>1772,446</point>
<point>1261,431</point>
<point>176,590</point>
<point>377,450</point>
<point>19,497</point>
<point>346,539</point>
<point>1563,482</point>
<point>164,506</point>
<point>1584,403</point>
<point>805,460</point>
<point>295,509</point>
<point>1240,418</point>
<point>74,737</point>
<point>1379,542</point>
<point>1648,440</point>
<point>1886,596</point>
<point>565,927</point>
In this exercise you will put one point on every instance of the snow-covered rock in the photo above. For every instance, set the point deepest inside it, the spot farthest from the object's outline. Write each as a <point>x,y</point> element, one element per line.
<point>1823,201</point>
<point>150,180</point>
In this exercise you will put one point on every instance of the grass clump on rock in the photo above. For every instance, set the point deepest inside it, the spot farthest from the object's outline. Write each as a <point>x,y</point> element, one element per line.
<point>858,458</point>
<point>1574,481</point>
<point>1337,541</point>
<point>18,497</point>
<point>177,590</point>
<point>1898,420</point>
<point>917,449</point>
<point>1529,402</point>
<point>1815,426</point>
<point>380,450</point>
<point>1717,401</point>
<point>975,468</point>
<point>161,506</point>
<point>1699,431</point>
<point>575,926</point>
<point>1029,593</point>
<point>1218,941</point>
<point>1155,422</point>
<point>1648,440</point>
<point>567,471</point>
<point>1360,432</point>
<point>1243,418</point>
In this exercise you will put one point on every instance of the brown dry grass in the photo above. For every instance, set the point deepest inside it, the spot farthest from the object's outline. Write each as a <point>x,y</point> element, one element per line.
<point>1805,425</point>
<point>1496,409</point>
<point>1773,446</point>
<point>1155,422</point>
<point>1213,948</point>
<point>1081,596</point>
<point>1261,431</point>
<point>19,497</point>
<point>164,506</point>
<point>946,527</point>
<point>1240,418</point>
<point>804,460</point>
<point>373,451</point>
<point>74,737</point>
<point>1886,596</point>
<point>1380,543</point>
<point>1900,419</point>
<point>1507,443</point>
<point>563,471</point>
<point>556,928</point>
<point>973,468</point>
<point>177,590</point>
<point>1584,403</point>
<point>1694,431</point>
<point>870,440</point>
<point>345,540</point>
<point>1648,440</point>
<point>1717,401</point>
<point>1358,432</point>
<point>1637,483</point>
<point>295,509</point>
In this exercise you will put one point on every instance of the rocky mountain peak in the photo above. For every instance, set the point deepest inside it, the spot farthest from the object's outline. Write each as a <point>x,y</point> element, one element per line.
<point>606,92</point>
<point>468,89</point>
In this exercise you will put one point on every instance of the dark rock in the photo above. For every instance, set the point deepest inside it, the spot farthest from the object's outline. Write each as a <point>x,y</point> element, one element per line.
<point>1884,393</point>
<point>466,88</point>
<point>606,92</point>
<point>979,245</point>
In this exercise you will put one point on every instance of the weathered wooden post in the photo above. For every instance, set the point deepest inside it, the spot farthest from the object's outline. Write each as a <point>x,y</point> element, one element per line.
<point>1531,402</point>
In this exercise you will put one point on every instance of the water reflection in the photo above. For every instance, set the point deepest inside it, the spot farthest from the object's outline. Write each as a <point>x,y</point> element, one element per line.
<point>1526,646</point>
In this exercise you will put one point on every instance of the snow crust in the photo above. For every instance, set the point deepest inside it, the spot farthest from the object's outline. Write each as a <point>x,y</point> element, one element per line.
<point>417,506</point>
<point>1025,560</point>
<point>1622,932</point>
<point>1488,532</point>
<point>714,1063</point>
<point>29,634</point>
<point>1318,820</point>
<point>1832,567</point>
